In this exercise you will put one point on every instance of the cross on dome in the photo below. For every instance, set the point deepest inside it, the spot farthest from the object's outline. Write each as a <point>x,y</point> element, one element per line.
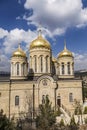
<point>64,44</point>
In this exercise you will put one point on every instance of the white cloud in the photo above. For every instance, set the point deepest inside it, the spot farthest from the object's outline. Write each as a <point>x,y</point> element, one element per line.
<point>15,36</point>
<point>3,33</point>
<point>57,15</point>
<point>80,61</point>
<point>4,63</point>
<point>19,1</point>
<point>10,43</point>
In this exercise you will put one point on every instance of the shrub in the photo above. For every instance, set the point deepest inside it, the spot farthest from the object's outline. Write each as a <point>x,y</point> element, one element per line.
<point>73,125</point>
<point>58,112</point>
<point>85,110</point>
<point>62,123</point>
<point>85,120</point>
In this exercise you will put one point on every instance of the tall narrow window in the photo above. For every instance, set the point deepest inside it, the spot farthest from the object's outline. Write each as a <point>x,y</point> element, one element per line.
<point>68,67</point>
<point>59,100</point>
<point>17,68</point>
<point>70,97</point>
<point>63,68</point>
<point>41,61</point>
<point>43,99</point>
<point>35,63</point>
<point>16,100</point>
<point>46,63</point>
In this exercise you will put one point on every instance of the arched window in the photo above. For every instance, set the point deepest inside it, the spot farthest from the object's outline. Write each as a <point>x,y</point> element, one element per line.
<point>58,100</point>
<point>47,64</point>
<point>43,99</point>
<point>68,67</point>
<point>70,97</point>
<point>16,100</point>
<point>17,68</point>
<point>35,63</point>
<point>41,63</point>
<point>63,68</point>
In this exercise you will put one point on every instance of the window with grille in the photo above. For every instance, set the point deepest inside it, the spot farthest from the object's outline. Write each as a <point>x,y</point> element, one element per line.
<point>63,68</point>
<point>16,100</point>
<point>17,68</point>
<point>68,67</point>
<point>70,97</point>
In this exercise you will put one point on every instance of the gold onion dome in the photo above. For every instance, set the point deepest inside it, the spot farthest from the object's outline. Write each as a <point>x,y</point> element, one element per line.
<point>54,59</point>
<point>40,42</point>
<point>19,52</point>
<point>65,53</point>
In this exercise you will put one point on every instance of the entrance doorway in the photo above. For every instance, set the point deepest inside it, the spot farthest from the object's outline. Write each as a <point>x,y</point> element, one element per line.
<point>59,101</point>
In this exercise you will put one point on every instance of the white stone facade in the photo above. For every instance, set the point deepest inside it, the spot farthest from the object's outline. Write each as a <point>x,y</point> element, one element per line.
<point>47,76</point>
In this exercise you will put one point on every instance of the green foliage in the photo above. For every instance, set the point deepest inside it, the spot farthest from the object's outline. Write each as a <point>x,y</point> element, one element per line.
<point>72,121</point>
<point>73,125</point>
<point>85,110</point>
<point>62,123</point>
<point>47,117</point>
<point>84,90</point>
<point>78,108</point>
<point>5,124</point>
<point>85,120</point>
<point>58,112</point>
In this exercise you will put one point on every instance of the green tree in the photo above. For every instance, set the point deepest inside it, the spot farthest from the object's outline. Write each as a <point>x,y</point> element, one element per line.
<point>62,122</point>
<point>78,108</point>
<point>46,118</point>
<point>73,125</point>
<point>5,123</point>
<point>85,120</point>
<point>85,110</point>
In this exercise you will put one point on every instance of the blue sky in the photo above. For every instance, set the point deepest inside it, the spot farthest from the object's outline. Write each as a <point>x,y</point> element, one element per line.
<point>59,19</point>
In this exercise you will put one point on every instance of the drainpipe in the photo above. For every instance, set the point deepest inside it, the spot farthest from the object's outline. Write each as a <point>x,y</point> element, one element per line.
<point>55,94</point>
<point>33,101</point>
<point>9,98</point>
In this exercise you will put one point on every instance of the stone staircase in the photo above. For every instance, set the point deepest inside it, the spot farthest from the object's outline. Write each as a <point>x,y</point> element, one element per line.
<point>66,115</point>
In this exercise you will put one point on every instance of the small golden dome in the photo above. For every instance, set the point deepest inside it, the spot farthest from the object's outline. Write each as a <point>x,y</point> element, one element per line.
<point>54,59</point>
<point>65,53</point>
<point>40,42</point>
<point>19,52</point>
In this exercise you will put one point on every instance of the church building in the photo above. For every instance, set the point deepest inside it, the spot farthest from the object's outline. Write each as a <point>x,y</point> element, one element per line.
<point>31,80</point>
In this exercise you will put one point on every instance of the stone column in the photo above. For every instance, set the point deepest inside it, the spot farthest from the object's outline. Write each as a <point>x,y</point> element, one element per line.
<point>44,65</point>
<point>49,67</point>
<point>37,64</point>
<point>20,69</point>
<point>65,69</point>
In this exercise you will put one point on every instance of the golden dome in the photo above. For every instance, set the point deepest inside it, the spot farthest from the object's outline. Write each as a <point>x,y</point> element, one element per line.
<point>65,53</point>
<point>54,59</point>
<point>40,42</point>
<point>19,52</point>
